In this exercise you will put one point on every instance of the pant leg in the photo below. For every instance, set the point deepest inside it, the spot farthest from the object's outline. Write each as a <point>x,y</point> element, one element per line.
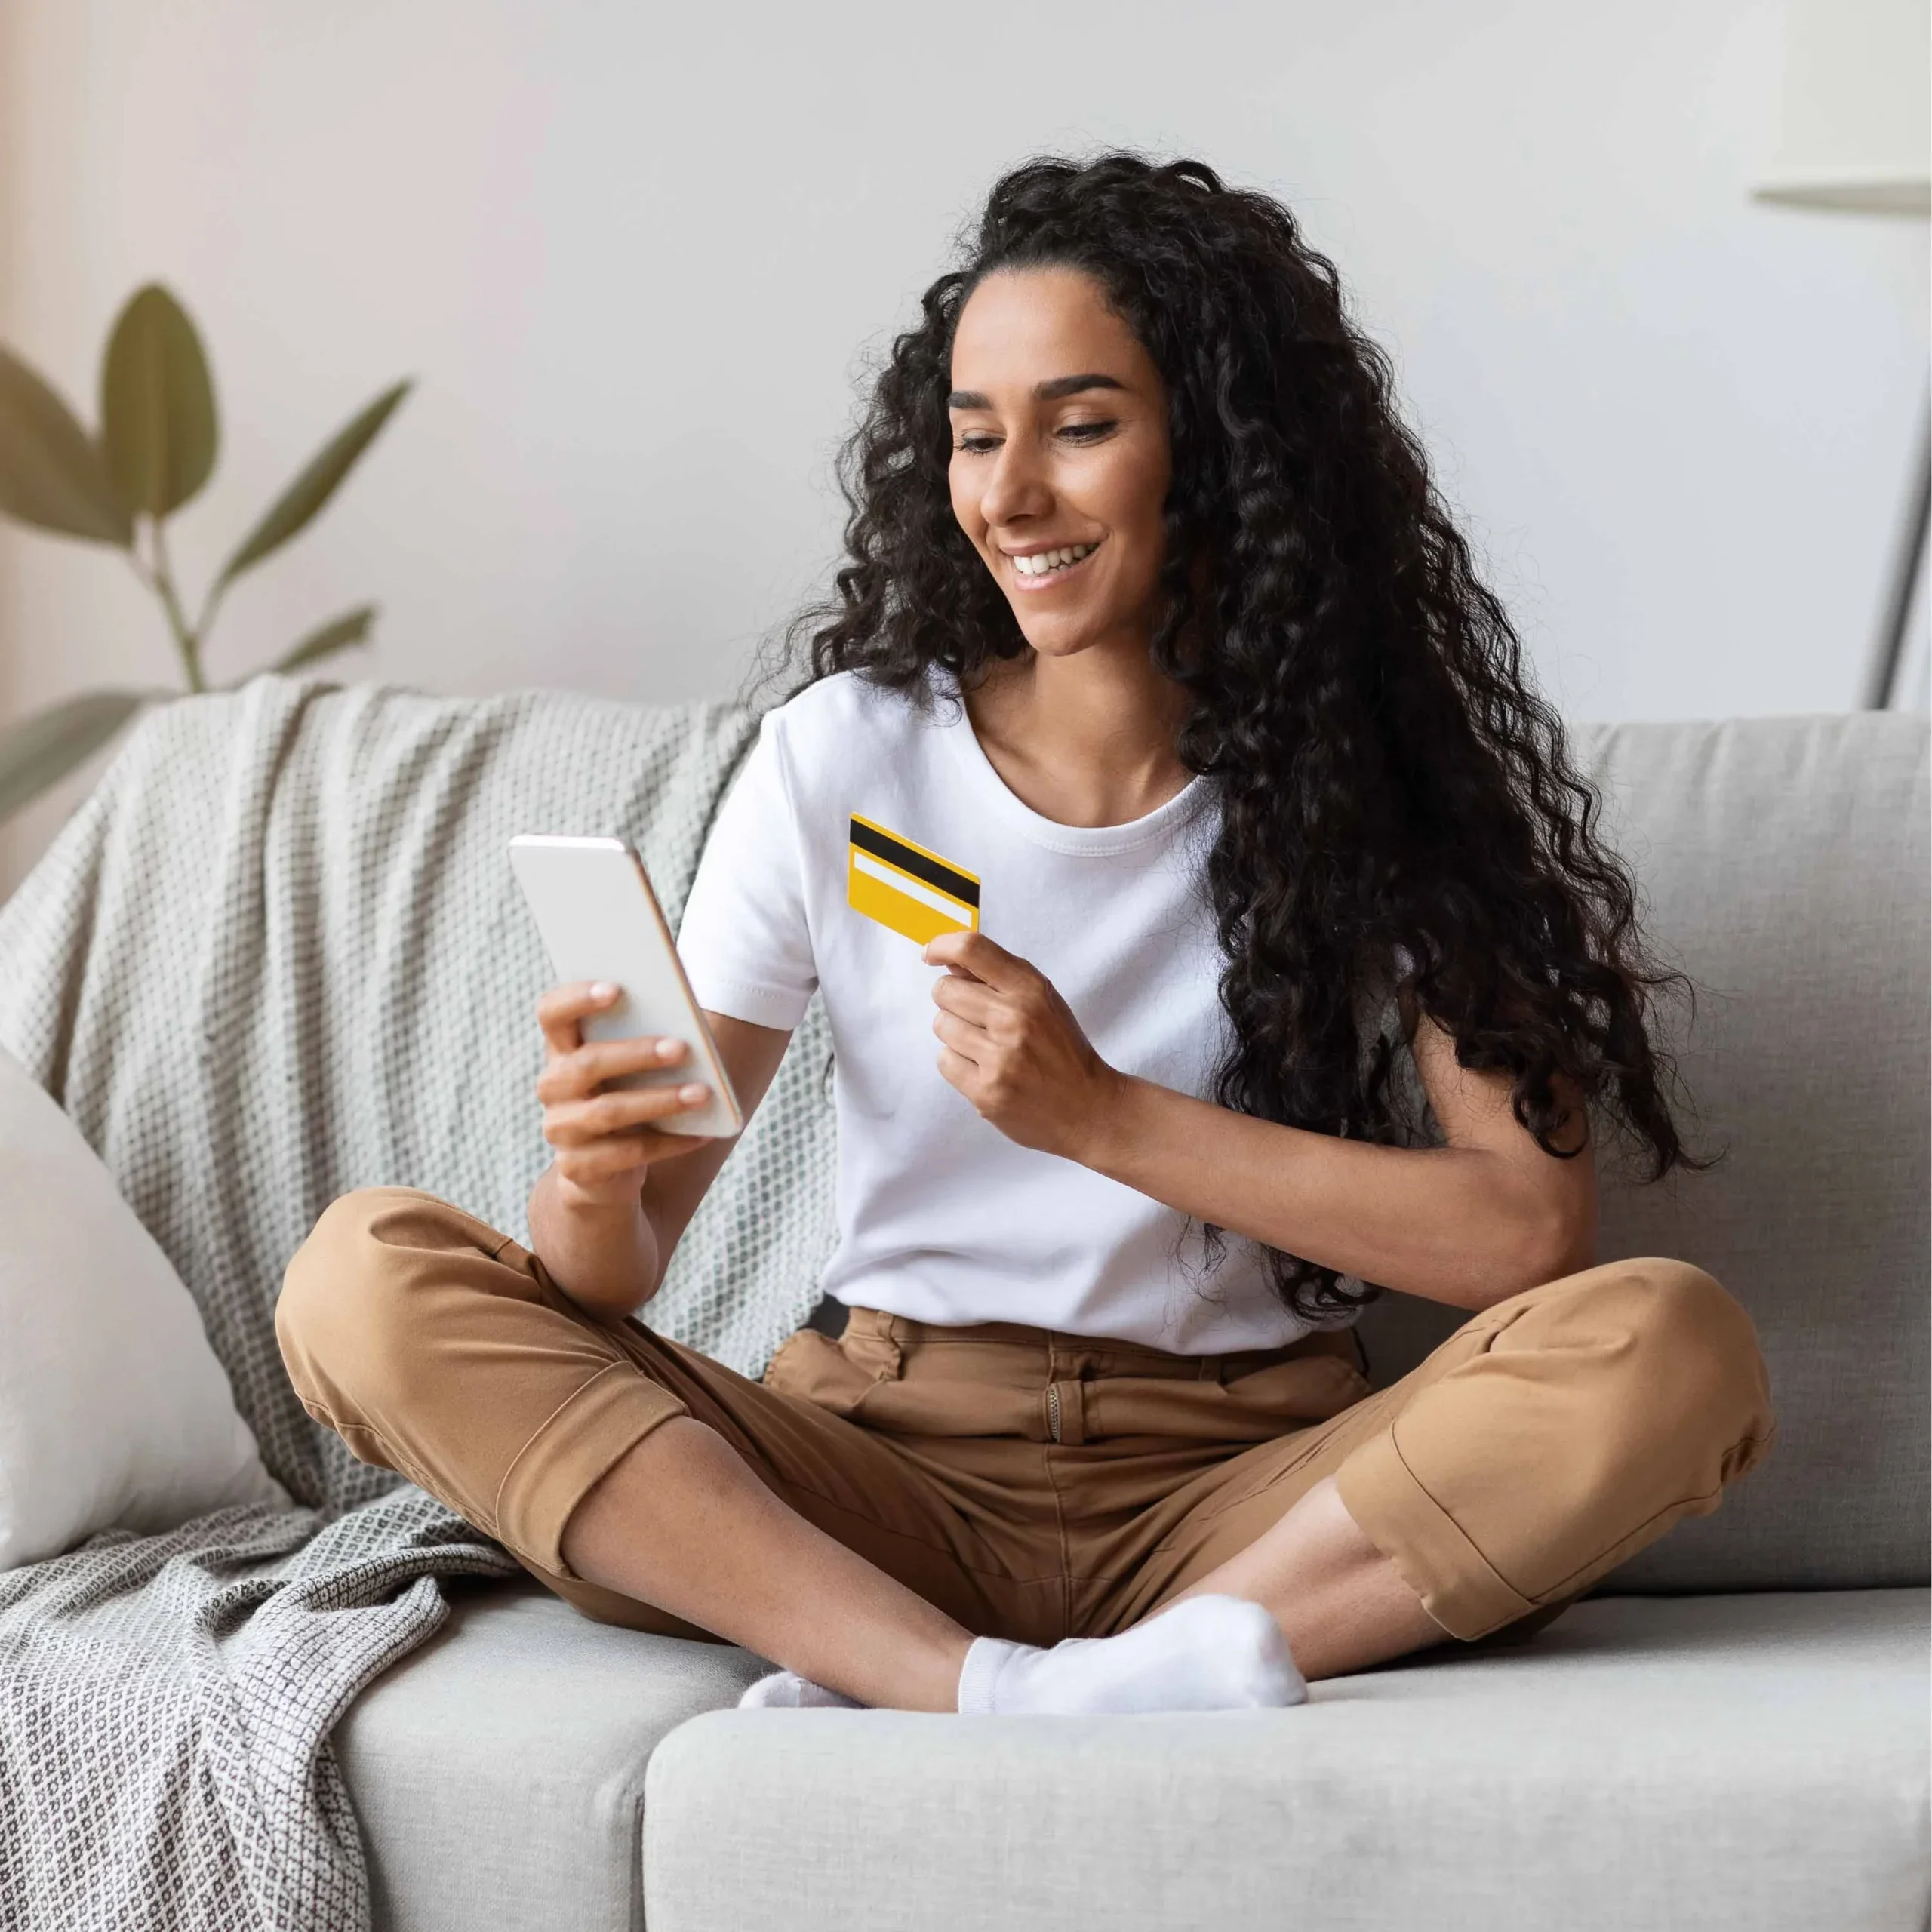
<point>1548,1440</point>
<point>436,1346</point>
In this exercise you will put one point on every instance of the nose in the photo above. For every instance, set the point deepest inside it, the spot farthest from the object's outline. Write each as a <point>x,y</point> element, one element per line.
<point>1017,487</point>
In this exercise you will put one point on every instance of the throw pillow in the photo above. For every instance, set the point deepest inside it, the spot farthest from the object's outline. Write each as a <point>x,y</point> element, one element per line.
<point>114,1412</point>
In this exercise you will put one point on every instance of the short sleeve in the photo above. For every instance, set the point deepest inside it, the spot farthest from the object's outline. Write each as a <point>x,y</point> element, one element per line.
<point>745,942</point>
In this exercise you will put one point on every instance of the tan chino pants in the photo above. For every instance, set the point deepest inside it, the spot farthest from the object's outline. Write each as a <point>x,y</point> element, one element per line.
<point>1036,1485</point>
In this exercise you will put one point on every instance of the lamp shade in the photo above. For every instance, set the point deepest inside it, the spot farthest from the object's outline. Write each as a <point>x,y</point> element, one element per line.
<point>1856,129</point>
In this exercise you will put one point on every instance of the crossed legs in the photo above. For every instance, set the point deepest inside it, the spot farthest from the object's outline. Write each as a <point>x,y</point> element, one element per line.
<point>1548,1439</point>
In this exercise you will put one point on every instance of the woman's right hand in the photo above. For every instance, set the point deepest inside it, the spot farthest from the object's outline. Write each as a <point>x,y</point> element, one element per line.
<point>604,1141</point>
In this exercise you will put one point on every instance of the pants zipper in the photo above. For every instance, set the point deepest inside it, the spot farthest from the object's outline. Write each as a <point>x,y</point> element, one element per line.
<point>1053,1410</point>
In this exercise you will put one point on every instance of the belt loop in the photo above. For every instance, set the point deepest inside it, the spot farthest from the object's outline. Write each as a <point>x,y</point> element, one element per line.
<point>872,1341</point>
<point>900,1333</point>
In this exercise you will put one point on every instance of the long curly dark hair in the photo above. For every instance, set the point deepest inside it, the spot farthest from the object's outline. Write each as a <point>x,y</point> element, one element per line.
<point>1402,831</point>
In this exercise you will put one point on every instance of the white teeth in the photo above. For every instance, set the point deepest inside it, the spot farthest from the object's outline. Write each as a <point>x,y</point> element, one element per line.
<point>1046,561</point>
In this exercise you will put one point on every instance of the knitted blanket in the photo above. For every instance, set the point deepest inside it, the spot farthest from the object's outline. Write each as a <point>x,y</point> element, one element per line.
<point>279,954</point>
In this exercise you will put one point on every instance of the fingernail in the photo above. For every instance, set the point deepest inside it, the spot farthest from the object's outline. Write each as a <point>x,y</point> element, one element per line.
<point>670,1049</point>
<point>690,1095</point>
<point>604,989</point>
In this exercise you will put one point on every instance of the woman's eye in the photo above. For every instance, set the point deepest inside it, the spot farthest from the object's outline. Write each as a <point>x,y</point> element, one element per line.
<point>978,443</point>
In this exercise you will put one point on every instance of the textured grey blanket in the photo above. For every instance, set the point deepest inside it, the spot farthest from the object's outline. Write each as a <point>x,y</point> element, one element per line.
<point>279,954</point>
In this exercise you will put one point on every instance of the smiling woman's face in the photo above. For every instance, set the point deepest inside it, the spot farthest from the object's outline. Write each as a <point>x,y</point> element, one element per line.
<point>1059,460</point>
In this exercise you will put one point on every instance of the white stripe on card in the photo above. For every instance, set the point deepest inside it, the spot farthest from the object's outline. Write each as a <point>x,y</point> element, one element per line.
<point>886,876</point>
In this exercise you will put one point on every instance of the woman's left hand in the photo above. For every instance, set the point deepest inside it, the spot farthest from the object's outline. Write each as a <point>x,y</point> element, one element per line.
<point>1012,1046</point>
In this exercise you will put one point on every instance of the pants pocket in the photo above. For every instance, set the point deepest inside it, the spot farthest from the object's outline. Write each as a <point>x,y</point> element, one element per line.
<point>816,1369</point>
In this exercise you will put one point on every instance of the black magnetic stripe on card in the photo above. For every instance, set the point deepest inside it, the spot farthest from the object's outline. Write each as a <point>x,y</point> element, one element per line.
<point>908,859</point>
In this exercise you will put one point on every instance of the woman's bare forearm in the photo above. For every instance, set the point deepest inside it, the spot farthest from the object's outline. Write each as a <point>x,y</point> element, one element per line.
<point>1465,1226</point>
<point>603,1254</point>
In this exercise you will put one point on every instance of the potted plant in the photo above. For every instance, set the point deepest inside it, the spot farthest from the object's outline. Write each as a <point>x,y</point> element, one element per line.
<point>153,453</point>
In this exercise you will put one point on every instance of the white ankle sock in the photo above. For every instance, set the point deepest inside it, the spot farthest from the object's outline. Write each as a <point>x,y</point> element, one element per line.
<point>786,1690</point>
<point>1207,1653</point>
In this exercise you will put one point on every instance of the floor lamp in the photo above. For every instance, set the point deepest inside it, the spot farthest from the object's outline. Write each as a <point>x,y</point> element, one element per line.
<point>1853,138</point>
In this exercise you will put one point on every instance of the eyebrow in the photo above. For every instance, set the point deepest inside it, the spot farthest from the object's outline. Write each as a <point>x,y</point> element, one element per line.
<point>1049,392</point>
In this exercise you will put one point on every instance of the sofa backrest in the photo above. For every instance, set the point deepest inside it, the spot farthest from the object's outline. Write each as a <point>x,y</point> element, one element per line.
<point>1785,862</point>
<point>1784,865</point>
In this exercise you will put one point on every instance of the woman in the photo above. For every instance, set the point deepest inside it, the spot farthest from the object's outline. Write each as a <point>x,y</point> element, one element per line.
<point>1162,755</point>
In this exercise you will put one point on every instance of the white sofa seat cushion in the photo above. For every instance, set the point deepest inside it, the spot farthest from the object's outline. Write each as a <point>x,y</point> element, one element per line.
<point>1703,1763</point>
<point>498,1772</point>
<point>114,1413</point>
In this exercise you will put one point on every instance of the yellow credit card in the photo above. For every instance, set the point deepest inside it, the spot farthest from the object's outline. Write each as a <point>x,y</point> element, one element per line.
<point>907,887</point>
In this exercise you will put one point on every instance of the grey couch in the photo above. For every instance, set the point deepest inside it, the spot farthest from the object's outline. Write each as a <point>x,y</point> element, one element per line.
<point>1731,1734</point>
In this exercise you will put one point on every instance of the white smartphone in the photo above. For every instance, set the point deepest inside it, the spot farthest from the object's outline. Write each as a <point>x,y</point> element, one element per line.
<point>600,920</point>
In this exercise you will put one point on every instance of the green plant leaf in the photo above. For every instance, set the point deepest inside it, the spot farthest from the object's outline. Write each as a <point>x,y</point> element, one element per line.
<point>38,752</point>
<point>292,510</point>
<point>51,475</point>
<point>157,404</point>
<point>338,634</point>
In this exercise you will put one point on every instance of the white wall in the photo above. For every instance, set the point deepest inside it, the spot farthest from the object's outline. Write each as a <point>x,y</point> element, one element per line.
<point>634,253</point>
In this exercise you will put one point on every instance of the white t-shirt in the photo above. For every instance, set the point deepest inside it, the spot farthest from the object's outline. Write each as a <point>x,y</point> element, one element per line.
<point>941,1218</point>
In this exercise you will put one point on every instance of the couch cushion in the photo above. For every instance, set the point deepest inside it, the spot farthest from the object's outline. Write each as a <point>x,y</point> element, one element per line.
<point>1708,1763</point>
<point>1785,864</point>
<point>498,1772</point>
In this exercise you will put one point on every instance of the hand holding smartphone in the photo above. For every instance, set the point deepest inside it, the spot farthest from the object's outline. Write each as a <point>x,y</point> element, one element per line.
<point>600,921</point>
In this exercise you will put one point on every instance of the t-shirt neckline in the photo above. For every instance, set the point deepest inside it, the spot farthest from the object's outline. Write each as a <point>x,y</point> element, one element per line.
<point>1081,840</point>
